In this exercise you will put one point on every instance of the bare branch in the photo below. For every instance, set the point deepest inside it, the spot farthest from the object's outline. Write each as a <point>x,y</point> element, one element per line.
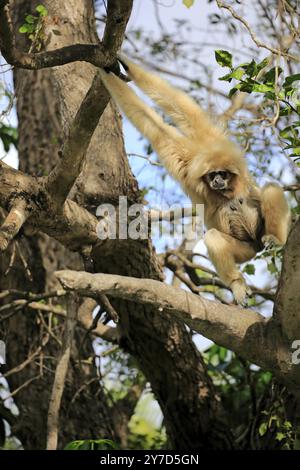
<point>236,104</point>
<point>60,375</point>
<point>27,361</point>
<point>252,35</point>
<point>16,218</point>
<point>85,318</point>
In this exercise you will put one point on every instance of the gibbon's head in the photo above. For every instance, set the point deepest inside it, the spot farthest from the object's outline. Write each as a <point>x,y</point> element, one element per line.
<point>221,167</point>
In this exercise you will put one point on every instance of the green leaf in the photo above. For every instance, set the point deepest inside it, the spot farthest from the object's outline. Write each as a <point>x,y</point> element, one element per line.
<point>272,268</point>
<point>74,445</point>
<point>262,64</point>
<point>237,74</point>
<point>23,29</point>
<point>234,90</point>
<point>91,444</point>
<point>263,429</point>
<point>9,136</point>
<point>284,133</point>
<point>42,10</point>
<point>30,19</point>
<point>226,78</point>
<point>280,436</point>
<point>223,353</point>
<point>290,79</point>
<point>261,88</point>
<point>271,75</point>
<point>224,58</point>
<point>249,269</point>
<point>188,3</point>
<point>285,111</point>
<point>250,68</point>
<point>266,377</point>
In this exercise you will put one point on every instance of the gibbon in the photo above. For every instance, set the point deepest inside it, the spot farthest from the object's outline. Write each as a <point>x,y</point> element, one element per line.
<point>241,218</point>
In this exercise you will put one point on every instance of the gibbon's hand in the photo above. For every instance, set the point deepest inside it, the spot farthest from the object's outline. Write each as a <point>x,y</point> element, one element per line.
<point>240,291</point>
<point>270,241</point>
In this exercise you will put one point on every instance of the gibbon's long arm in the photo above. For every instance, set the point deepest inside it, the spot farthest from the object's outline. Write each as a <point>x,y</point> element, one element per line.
<point>170,145</point>
<point>182,109</point>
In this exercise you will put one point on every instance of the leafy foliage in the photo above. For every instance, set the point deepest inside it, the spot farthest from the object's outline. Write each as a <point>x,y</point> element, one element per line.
<point>143,435</point>
<point>244,389</point>
<point>9,136</point>
<point>33,27</point>
<point>283,91</point>
<point>91,444</point>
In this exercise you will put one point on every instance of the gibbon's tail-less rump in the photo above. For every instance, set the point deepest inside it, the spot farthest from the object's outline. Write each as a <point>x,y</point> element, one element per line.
<point>211,169</point>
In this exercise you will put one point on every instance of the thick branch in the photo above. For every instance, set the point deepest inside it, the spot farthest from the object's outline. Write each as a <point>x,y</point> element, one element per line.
<point>74,226</point>
<point>243,331</point>
<point>63,176</point>
<point>287,303</point>
<point>118,14</point>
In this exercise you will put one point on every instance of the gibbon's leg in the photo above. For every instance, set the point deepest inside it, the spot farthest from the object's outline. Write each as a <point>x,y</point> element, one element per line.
<point>276,214</point>
<point>224,252</point>
<point>165,139</point>
<point>184,111</point>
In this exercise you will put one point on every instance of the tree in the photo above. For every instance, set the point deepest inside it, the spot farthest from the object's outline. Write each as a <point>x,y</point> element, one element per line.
<point>72,159</point>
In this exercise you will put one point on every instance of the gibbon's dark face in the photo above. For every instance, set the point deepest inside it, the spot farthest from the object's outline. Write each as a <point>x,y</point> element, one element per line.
<point>218,180</point>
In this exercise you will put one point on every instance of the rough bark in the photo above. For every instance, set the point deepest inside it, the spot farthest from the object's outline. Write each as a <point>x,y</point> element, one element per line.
<point>40,140</point>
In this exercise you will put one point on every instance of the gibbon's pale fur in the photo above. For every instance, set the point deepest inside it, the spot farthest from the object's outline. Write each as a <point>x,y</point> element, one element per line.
<point>240,217</point>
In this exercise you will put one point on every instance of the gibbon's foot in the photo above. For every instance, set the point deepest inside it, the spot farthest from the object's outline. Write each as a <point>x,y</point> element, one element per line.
<point>270,241</point>
<point>240,291</point>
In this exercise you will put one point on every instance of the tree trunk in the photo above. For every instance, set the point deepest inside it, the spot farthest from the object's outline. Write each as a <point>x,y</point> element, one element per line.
<point>40,138</point>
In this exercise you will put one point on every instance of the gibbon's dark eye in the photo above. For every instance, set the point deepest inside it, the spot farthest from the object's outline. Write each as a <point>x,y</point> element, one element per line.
<point>212,175</point>
<point>223,174</point>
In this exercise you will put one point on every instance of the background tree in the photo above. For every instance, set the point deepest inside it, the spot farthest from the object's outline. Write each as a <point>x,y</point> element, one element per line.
<point>70,138</point>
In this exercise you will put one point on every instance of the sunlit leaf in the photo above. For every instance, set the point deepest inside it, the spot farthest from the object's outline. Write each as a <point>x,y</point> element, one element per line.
<point>224,58</point>
<point>188,3</point>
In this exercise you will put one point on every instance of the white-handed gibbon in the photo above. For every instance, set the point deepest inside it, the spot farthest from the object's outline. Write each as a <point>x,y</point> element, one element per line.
<point>240,217</point>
